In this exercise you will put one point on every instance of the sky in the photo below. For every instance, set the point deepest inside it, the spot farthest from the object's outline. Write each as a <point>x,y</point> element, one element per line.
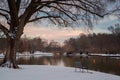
<point>51,32</point>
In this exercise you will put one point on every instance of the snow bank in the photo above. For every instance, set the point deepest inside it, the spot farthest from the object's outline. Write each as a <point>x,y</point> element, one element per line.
<point>1,55</point>
<point>28,54</point>
<point>106,55</point>
<point>35,72</point>
<point>43,53</point>
<point>35,54</point>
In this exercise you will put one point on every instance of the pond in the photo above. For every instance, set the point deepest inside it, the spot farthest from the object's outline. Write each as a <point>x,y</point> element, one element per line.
<point>96,63</point>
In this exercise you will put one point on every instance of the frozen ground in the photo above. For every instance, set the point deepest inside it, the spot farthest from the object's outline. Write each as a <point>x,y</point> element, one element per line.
<point>42,72</point>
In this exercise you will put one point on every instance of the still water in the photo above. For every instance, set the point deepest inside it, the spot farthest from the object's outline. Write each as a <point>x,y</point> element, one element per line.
<point>102,64</point>
<point>96,63</point>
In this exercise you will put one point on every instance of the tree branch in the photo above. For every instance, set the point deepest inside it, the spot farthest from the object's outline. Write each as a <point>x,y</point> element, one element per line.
<point>113,11</point>
<point>63,12</point>
<point>5,30</point>
<point>18,4</point>
<point>78,6</point>
<point>4,15</point>
<point>4,10</point>
<point>43,17</point>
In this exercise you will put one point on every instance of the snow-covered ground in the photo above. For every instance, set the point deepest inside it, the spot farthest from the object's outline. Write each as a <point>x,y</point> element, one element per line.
<point>1,55</point>
<point>36,54</point>
<point>42,72</point>
<point>109,55</point>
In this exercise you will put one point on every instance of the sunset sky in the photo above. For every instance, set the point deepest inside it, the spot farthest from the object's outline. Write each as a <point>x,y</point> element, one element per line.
<point>60,34</point>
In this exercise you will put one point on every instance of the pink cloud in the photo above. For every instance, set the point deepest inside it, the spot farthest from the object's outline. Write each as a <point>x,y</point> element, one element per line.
<point>51,33</point>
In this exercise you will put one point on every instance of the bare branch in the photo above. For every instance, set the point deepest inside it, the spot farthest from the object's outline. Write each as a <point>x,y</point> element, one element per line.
<point>42,4</point>
<point>81,7</point>
<point>4,10</point>
<point>111,12</point>
<point>50,18</point>
<point>5,30</point>
<point>4,15</point>
<point>69,12</point>
<point>42,18</point>
<point>18,4</point>
<point>63,12</point>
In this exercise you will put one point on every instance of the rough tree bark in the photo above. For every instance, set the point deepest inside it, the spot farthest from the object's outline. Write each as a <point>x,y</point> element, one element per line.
<point>6,58</point>
<point>10,56</point>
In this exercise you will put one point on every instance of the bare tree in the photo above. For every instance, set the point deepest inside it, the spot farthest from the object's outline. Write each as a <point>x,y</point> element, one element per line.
<point>17,13</point>
<point>115,29</point>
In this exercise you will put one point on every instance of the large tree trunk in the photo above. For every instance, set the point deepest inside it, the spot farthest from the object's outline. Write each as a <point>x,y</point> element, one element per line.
<point>10,56</point>
<point>6,58</point>
<point>13,44</point>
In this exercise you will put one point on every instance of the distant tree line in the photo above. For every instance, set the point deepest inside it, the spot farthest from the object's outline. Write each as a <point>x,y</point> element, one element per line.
<point>32,45</point>
<point>38,44</point>
<point>99,43</point>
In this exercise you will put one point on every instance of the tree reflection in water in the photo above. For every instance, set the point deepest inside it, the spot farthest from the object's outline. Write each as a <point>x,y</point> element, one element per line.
<point>102,64</point>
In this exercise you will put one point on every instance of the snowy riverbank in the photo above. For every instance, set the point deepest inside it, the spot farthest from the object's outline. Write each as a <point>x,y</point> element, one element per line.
<point>1,55</point>
<point>105,55</point>
<point>36,53</point>
<point>35,72</point>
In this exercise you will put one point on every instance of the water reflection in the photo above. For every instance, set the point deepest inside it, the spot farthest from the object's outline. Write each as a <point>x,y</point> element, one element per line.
<point>58,61</point>
<point>32,60</point>
<point>102,64</point>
